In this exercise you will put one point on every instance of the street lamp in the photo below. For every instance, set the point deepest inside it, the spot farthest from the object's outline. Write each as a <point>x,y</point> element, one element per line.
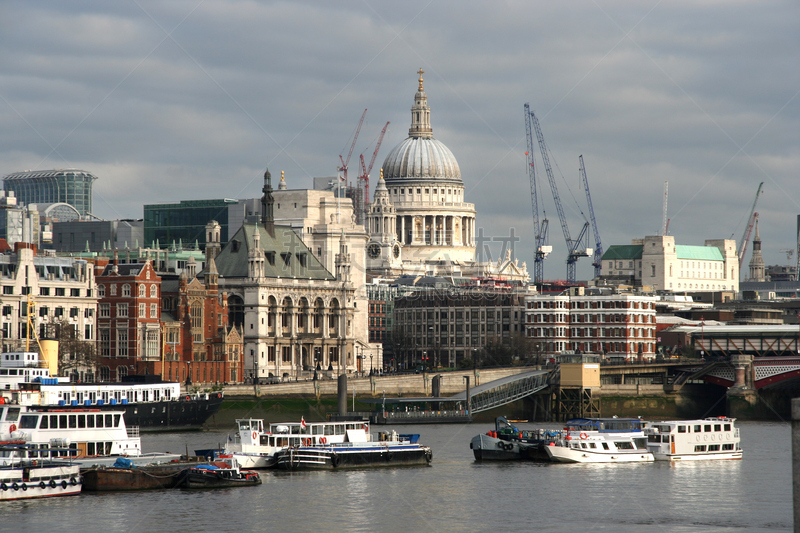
<point>702,337</point>
<point>370,364</point>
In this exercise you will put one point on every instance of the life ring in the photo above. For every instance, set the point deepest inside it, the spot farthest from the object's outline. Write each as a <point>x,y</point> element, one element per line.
<point>334,460</point>
<point>4,486</point>
<point>187,398</point>
<point>52,483</point>
<point>64,484</point>
<point>15,486</point>
<point>306,442</point>
<point>428,455</point>
<point>323,440</point>
<point>73,481</point>
<point>255,435</point>
<point>24,486</point>
<point>508,447</point>
<point>501,445</point>
<point>12,428</point>
<point>42,484</point>
<point>584,436</point>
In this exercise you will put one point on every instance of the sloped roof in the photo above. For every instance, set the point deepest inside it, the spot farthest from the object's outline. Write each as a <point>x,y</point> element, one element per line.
<point>698,253</point>
<point>286,255</point>
<point>623,251</point>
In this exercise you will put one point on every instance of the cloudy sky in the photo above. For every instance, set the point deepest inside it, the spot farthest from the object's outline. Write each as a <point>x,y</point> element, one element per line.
<point>169,101</point>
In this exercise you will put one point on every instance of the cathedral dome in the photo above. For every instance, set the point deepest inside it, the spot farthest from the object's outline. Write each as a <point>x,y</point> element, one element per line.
<point>421,158</point>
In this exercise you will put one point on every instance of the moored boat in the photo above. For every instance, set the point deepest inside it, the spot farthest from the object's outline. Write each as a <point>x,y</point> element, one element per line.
<point>145,400</point>
<point>355,450</point>
<point>123,475</point>
<point>507,443</point>
<point>22,478</point>
<point>86,436</point>
<point>694,440</point>
<point>222,473</point>
<point>601,440</point>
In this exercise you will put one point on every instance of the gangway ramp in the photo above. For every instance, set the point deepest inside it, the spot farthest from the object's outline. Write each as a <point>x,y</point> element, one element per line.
<point>505,390</point>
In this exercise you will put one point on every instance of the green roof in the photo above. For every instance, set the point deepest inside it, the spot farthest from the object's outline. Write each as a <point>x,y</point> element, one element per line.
<point>285,253</point>
<point>623,251</point>
<point>698,253</point>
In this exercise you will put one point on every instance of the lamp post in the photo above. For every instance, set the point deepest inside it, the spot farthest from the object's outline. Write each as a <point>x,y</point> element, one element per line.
<point>702,337</point>
<point>370,364</point>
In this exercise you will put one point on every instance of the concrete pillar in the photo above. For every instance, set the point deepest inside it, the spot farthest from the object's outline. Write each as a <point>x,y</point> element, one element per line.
<point>741,363</point>
<point>796,462</point>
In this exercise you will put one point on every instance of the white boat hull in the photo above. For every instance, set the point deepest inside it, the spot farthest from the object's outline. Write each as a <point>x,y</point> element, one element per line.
<point>731,456</point>
<point>41,482</point>
<point>562,454</point>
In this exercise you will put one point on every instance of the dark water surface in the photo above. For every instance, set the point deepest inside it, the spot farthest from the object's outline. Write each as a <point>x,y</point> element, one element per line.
<point>453,494</point>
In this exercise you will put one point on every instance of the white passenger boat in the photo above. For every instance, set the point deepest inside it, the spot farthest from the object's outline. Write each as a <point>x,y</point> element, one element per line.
<point>22,478</point>
<point>350,445</point>
<point>601,440</point>
<point>694,440</point>
<point>147,401</point>
<point>87,436</point>
<point>253,447</point>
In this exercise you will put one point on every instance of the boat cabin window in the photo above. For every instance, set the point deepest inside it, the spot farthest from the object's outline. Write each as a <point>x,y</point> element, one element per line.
<point>641,443</point>
<point>727,447</point>
<point>681,429</point>
<point>727,427</point>
<point>698,428</point>
<point>43,423</point>
<point>700,448</point>
<point>28,421</point>
<point>316,430</point>
<point>605,445</point>
<point>623,445</point>
<point>13,414</point>
<point>713,447</point>
<point>583,445</point>
<point>592,445</point>
<point>717,427</point>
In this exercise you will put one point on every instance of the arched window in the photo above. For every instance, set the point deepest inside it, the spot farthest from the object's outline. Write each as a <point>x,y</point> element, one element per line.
<point>142,291</point>
<point>101,291</point>
<point>126,290</point>
<point>153,291</point>
<point>235,311</point>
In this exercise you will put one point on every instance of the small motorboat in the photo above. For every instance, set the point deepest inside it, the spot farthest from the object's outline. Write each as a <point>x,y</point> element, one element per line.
<point>222,473</point>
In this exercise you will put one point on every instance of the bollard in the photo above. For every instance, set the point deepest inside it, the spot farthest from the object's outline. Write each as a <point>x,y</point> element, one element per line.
<point>796,462</point>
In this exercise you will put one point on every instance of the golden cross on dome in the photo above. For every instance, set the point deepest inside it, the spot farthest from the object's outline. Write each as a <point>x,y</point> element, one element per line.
<point>420,72</point>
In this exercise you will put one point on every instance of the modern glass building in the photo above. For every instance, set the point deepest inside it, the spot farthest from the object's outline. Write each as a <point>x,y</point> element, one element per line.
<point>185,222</point>
<point>70,186</point>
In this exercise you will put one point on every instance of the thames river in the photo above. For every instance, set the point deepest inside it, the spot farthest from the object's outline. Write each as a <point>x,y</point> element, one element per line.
<point>454,493</point>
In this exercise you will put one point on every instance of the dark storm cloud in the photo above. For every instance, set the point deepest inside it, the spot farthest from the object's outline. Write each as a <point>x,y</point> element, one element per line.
<point>184,100</point>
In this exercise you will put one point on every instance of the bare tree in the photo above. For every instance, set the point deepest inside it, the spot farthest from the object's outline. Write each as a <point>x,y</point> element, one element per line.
<point>75,355</point>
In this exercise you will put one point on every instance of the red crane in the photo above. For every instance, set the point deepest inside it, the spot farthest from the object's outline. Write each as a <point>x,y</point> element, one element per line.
<point>344,162</point>
<point>366,170</point>
<point>746,238</point>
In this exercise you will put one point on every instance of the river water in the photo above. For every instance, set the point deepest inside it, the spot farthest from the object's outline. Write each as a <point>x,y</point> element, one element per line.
<point>454,493</point>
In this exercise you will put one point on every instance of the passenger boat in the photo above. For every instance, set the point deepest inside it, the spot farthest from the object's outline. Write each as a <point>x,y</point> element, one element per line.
<point>146,401</point>
<point>23,478</point>
<point>601,440</point>
<point>124,476</point>
<point>694,440</point>
<point>253,447</point>
<point>507,443</point>
<point>87,436</point>
<point>218,474</point>
<point>353,447</point>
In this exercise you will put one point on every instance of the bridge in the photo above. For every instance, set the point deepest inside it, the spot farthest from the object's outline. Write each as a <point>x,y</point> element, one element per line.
<point>505,390</point>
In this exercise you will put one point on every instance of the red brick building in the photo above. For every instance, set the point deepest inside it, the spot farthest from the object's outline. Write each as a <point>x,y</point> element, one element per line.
<point>199,347</point>
<point>128,319</point>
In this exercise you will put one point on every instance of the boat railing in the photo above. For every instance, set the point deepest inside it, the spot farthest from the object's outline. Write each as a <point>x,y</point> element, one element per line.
<point>406,415</point>
<point>133,431</point>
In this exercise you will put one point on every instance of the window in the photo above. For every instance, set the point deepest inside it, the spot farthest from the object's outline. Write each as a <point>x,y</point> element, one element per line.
<point>122,343</point>
<point>113,289</point>
<point>60,291</point>
<point>75,292</point>
<point>126,290</point>
<point>153,310</point>
<point>44,291</point>
<point>122,310</point>
<point>8,290</point>
<point>105,310</point>
<point>142,290</point>
<point>101,291</point>
<point>142,310</point>
<point>153,291</point>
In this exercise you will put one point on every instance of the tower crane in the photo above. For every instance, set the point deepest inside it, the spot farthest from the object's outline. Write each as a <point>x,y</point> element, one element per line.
<point>345,162</point>
<point>598,248</point>
<point>539,229</point>
<point>365,170</point>
<point>751,218</point>
<point>574,253</point>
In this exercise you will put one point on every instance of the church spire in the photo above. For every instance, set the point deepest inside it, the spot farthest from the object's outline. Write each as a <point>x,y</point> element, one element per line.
<point>267,201</point>
<point>757,269</point>
<point>420,113</point>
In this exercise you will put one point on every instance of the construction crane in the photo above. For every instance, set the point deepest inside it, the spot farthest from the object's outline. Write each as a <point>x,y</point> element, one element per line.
<point>365,170</point>
<point>751,218</point>
<point>573,246</point>
<point>539,229</point>
<point>345,162</point>
<point>598,247</point>
<point>746,238</point>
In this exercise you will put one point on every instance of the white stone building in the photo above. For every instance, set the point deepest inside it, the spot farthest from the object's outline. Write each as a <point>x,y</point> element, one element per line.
<point>419,222</point>
<point>660,264</point>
